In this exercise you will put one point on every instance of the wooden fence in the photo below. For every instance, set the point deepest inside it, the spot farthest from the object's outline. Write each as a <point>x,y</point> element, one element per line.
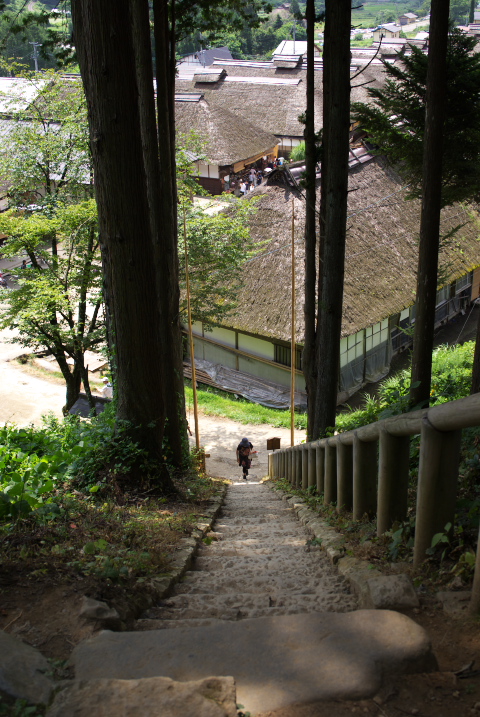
<point>366,471</point>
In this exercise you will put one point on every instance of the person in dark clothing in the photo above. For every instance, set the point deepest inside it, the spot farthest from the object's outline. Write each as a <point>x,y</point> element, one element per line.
<point>244,449</point>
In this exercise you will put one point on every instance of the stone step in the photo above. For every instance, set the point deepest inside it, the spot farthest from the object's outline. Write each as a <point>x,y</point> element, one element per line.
<point>276,661</point>
<point>232,583</point>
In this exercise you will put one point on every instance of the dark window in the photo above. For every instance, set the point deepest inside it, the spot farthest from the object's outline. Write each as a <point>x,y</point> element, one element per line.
<point>283,355</point>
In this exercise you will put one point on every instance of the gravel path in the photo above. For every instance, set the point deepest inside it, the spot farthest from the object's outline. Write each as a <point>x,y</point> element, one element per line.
<point>260,564</point>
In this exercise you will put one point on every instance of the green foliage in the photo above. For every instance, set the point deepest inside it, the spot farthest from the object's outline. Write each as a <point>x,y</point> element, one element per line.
<point>219,244</point>
<point>403,97</point>
<point>20,708</point>
<point>31,467</point>
<point>22,23</point>
<point>451,379</point>
<point>245,39</point>
<point>45,153</point>
<point>105,452</point>
<point>401,539</point>
<point>56,301</point>
<point>298,153</point>
<point>459,11</point>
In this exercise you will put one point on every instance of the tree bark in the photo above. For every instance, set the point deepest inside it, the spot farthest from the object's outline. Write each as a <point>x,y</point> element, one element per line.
<point>166,254</point>
<point>336,78</point>
<point>431,205</point>
<point>120,119</point>
<point>308,355</point>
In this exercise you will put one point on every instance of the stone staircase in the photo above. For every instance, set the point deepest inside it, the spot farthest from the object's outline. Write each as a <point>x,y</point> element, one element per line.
<point>263,619</point>
<point>258,564</point>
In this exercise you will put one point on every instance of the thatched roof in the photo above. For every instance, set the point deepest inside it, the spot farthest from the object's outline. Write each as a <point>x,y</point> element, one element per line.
<point>381,254</point>
<point>273,107</point>
<point>228,138</point>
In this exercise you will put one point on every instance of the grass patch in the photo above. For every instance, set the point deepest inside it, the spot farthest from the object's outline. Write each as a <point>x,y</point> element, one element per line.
<point>214,402</point>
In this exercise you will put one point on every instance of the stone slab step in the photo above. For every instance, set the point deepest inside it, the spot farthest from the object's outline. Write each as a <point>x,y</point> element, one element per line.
<point>276,661</point>
<point>232,583</point>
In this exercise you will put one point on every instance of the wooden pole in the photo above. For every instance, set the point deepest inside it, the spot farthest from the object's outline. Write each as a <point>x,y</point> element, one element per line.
<point>292,389</point>
<point>190,336</point>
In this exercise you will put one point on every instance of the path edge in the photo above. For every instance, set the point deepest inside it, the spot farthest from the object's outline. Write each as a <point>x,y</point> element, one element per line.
<point>160,586</point>
<point>397,591</point>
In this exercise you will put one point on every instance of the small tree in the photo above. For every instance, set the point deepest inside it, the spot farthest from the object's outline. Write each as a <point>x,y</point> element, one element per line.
<point>219,244</point>
<point>45,154</point>
<point>56,303</point>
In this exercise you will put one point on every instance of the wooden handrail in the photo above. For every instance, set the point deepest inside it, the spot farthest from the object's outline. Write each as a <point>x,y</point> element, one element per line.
<point>347,469</point>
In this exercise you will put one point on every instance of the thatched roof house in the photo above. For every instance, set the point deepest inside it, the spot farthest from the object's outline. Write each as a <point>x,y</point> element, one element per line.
<point>231,142</point>
<point>380,279</point>
<point>271,97</point>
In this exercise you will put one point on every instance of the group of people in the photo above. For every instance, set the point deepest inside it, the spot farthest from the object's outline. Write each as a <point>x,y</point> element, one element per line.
<point>241,184</point>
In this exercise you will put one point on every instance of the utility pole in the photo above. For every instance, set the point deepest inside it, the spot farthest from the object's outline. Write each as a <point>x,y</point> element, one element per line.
<point>35,53</point>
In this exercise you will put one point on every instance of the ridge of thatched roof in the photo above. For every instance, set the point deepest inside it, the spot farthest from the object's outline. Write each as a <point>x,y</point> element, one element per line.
<point>381,254</point>
<point>228,138</point>
<point>274,107</point>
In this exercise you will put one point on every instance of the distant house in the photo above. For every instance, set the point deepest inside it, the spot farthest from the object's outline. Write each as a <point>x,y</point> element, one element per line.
<point>231,142</point>
<point>388,31</point>
<point>206,57</point>
<point>407,18</point>
<point>379,289</point>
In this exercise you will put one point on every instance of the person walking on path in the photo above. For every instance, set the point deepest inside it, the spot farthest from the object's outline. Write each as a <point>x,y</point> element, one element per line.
<point>244,449</point>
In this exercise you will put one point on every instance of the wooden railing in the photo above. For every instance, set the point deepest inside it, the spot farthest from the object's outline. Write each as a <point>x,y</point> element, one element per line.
<point>366,470</point>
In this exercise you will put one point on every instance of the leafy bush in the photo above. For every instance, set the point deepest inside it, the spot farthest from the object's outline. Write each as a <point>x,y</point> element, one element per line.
<point>298,153</point>
<point>31,466</point>
<point>451,378</point>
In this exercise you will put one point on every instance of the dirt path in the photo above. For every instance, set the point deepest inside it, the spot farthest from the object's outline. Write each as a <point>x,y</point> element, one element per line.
<point>220,437</point>
<point>24,396</point>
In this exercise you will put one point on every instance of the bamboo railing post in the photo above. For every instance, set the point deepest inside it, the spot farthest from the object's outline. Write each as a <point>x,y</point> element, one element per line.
<point>281,464</point>
<point>320,466</point>
<point>330,494</point>
<point>312,477</point>
<point>271,472</point>
<point>393,465</point>
<point>344,477</point>
<point>304,451</point>
<point>365,471</point>
<point>437,485</point>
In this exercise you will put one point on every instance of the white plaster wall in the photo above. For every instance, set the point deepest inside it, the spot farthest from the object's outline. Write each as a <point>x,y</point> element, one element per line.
<point>223,336</point>
<point>258,347</point>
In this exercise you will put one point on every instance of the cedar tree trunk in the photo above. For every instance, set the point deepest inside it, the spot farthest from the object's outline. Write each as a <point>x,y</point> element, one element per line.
<point>336,118</point>
<point>308,356</point>
<point>431,205</point>
<point>115,72</point>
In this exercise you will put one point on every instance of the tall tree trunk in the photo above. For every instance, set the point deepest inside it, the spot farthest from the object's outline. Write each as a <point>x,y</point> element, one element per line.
<point>308,356</point>
<point>336,122</point>
<point>108,58</point>
<point>431,205</point>
<point>166,254</point>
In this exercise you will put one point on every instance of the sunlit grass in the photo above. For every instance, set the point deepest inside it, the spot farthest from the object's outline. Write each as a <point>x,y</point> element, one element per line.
<point>214,402</point>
